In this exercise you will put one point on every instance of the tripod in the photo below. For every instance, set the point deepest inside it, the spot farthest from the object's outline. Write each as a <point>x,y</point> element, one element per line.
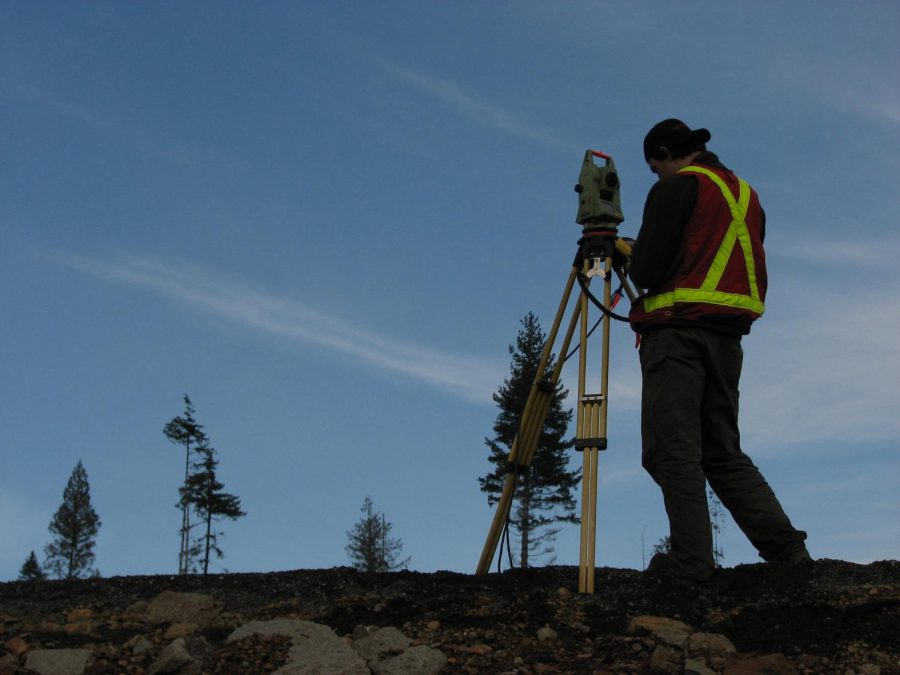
<point>601,254</point>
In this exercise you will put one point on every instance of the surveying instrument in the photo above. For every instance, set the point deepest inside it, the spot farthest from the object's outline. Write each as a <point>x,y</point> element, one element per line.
<point>602,254</point>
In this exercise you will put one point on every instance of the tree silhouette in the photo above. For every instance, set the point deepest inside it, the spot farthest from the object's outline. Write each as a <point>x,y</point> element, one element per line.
<point>74,525</point>
<point>370,547</point>
<point>31,570</point>
<point>203,492</point>
<point>544,494</point>
<point>184,430</point>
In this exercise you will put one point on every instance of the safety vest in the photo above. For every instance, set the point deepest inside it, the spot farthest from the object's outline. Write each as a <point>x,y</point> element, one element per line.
<point>722,271</point>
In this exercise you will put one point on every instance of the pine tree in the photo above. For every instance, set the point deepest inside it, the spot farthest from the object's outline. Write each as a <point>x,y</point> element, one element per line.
<point>31,570</point>
<point>203,492</point>
<point>370,547</point>
<point>184,430</point>
<point>544,493</point>
<point>75,524</point>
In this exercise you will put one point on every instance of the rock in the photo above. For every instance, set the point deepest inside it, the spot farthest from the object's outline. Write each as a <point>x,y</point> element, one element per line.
<point>139,645</point>
<point>182,656</point>
<point>80,614</point>
<point>695,667</point>
<point>136,611</point>
<point>314,648</point>
<point>362,631</point>
<point>869,669</point>
<point>546,634</point>
<point>180,630</point>
<point>170,607</point>
<point>479,650</point>
<point>420,660</point>
<point>711,648</point>
<point>666,659</point>
<point>9,664</point>
<point>712,644</point>
<point>771,664</point>
<point>670,631</point>
<point>58,661</point>
<point>173,659</point>
<point>16,646</point>
<point>382,644</point>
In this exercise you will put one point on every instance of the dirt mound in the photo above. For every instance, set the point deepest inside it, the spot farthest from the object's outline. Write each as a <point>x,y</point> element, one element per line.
<point>831,616</point>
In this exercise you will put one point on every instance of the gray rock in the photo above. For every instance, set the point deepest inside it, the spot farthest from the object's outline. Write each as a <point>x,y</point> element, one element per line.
<point>314,648</point>
<point>383,643</point>
<point>421,660</point>
<point>710,644</point>
<point>666,659</point>
<point>58,661</point>
<point>695,667</point>
<point>171,607</point>
<point>173,659</point>
<point>545,634</point>
<point>670,631</point>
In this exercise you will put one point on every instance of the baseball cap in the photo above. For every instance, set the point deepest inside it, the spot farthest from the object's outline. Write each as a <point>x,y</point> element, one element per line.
<point>672,134</point>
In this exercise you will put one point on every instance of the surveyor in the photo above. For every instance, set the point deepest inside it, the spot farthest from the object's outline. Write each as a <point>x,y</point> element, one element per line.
<point>699,255</point>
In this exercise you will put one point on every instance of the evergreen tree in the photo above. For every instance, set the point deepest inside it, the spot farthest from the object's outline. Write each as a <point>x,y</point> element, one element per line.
<point>74,525</point>
<point>184,430</point>
<point>664,545</point>
<point>31,570</point>
<point>203,492</point>
<point>543,494</point>
<point>370,547</point>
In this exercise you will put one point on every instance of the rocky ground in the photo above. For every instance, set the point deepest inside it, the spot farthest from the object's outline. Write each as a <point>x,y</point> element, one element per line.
<point>832,617</point>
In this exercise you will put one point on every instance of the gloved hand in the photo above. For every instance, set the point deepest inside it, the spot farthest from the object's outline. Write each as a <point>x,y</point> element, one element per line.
<point>621,258</point>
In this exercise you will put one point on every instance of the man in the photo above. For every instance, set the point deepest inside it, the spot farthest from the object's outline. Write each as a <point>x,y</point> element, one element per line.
<point>699,254</point>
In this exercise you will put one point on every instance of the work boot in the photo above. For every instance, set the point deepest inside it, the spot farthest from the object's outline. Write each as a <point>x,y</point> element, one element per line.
<point>797,558</point>
<point>663,568</point>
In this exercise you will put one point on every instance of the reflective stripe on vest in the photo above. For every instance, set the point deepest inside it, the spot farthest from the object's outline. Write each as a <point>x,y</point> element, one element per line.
<point>737,234</point>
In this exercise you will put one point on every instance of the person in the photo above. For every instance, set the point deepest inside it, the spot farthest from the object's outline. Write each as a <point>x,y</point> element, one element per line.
<point>699,253</point>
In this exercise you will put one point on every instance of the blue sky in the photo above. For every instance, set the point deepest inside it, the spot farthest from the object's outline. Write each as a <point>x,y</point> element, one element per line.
<point>324,221</point>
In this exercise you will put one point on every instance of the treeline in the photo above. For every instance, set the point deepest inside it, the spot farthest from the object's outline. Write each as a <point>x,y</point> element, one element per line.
<point>544,496</point>
<point>201,499</point>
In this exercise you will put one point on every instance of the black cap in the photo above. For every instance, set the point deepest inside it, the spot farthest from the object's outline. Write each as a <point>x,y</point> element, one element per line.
<point>673,134</point>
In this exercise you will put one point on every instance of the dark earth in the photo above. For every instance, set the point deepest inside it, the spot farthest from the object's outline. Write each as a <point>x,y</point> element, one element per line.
<point>829,617</point>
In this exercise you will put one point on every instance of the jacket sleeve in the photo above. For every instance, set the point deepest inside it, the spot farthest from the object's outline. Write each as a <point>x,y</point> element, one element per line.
<point>657,250</point>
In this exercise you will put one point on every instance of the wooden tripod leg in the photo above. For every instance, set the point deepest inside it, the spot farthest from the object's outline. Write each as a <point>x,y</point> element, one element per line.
<point>592,428</point>
<point>522,452</point>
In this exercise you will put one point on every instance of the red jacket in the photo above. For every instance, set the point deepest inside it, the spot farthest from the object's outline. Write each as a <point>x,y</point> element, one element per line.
<point>721,274</point>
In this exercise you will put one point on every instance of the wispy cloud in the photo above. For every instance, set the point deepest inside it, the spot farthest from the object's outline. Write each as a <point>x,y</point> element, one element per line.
<point>91,116</point>
<point>469,377</point>
<point>474,107</point>
<point>826,369</point>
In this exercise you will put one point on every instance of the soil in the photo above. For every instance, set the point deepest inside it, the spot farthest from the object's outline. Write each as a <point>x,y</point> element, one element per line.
<point>831,616</point>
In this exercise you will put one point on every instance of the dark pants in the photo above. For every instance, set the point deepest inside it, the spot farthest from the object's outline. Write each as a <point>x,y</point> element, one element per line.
<point>689,425</point>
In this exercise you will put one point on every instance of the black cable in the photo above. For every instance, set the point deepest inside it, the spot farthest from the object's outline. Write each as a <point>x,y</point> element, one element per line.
<point>578,346</point>
<point>600,305</point>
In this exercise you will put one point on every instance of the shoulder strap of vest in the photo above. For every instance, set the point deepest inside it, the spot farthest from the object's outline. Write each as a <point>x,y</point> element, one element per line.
<point>737,234</point>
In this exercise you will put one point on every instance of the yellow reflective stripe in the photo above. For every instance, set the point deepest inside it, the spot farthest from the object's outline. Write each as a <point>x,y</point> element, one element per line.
<point>737,233</point>
<point>738,300</point>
